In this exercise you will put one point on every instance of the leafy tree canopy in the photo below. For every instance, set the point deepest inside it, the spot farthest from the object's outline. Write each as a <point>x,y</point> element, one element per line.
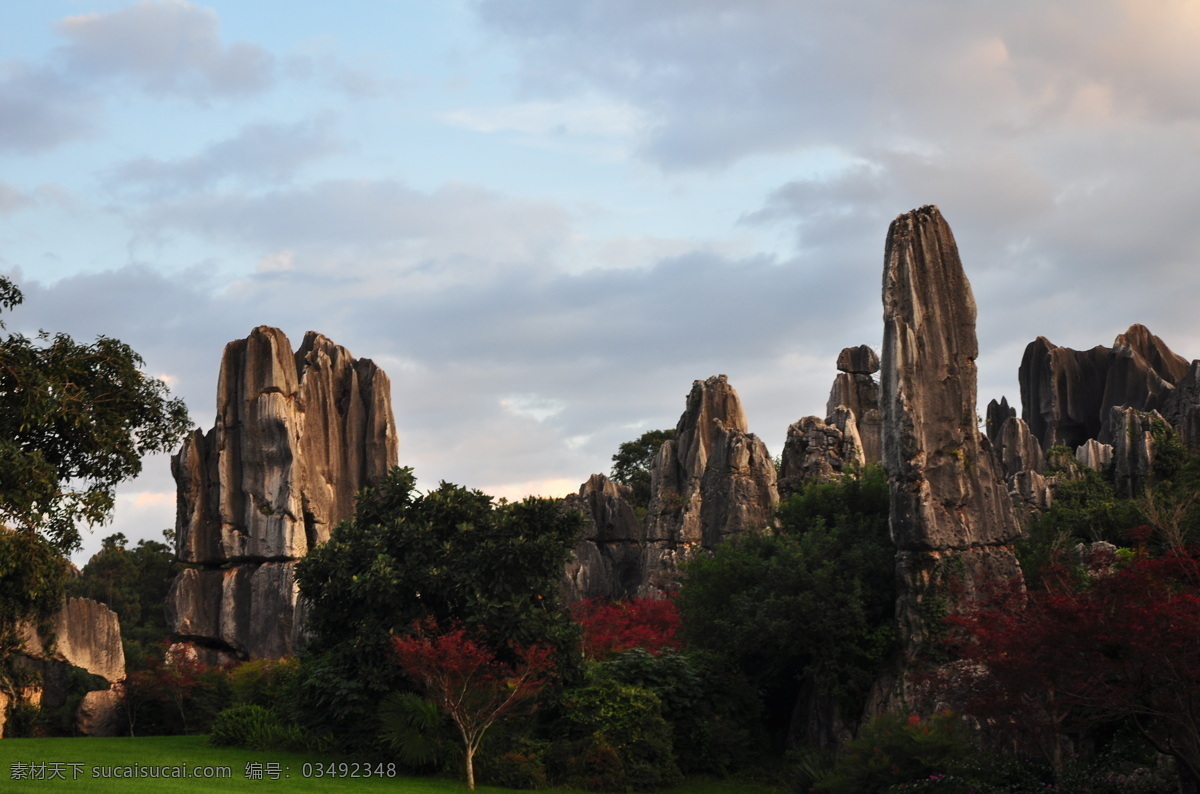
<point>631,464</point>
<point>453,555</point>
<point>75,420</point>
<point>813,603</point>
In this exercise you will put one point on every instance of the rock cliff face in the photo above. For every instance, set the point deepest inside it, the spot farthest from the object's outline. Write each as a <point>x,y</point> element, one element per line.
<point>1023,466</point>
<point>1132,448</point>
<point>296,436</point>
<point>607,561</point>
<point>87,635</point>
<point>951,517</point>
<point>1182,407</point>
<point>713,480</point>
<point>1067,396</point>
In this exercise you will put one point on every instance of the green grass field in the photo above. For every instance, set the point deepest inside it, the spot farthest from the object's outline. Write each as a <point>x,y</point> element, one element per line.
<point>87,765</point>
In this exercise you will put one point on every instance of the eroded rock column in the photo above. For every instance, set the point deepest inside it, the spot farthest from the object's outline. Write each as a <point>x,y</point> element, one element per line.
<point>713,480</point>
<point>951,519</point>
<point>297,436</point>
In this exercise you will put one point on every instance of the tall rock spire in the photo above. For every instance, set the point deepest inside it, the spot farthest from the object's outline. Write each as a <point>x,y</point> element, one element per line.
<point>951,517</point>
<point>297,436</point>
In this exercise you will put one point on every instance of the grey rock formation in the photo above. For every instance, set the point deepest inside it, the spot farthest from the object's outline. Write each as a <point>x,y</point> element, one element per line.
<point>997,414</point>
<point>713,480</point>
<point>1132,448</point>
<point>87,635</point>
<point>819,451</point>
<point>951,516</point>
<point>1182,407</point>
<point>297,436</point>
<point>861,360</point>
<point>1062,391</point>
<point>1023,466</point>
<point>607,561</point>
<point>856,389</point>
<point>1094,455</point>
<point>1067,395</point>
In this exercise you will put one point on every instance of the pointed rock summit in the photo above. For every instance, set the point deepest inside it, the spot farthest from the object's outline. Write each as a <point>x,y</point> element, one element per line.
<point>713,480</point>
<point>951,517</point>
<point>297,436</point>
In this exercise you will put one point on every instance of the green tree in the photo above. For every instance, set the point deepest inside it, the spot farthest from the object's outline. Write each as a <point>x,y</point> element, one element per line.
<point>806,613</point>
<point>631,464</point>
<point>452,555</point>
<point>75,420</point>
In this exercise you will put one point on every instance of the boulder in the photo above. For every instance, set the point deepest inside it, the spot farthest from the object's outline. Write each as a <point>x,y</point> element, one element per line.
<point>861,360</point>
<point>297,435</point>
<point>951,517</point>
<point>100,713</point>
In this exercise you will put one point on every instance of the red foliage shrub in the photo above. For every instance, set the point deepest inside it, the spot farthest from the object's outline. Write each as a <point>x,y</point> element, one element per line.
<point>1123,644</point>
<point>613,626</point>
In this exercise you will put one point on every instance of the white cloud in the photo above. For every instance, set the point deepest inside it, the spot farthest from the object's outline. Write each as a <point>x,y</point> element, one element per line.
<point>39,109</point>
<point>546,118</point>
<point>258,154</point>
<point>167,47</point>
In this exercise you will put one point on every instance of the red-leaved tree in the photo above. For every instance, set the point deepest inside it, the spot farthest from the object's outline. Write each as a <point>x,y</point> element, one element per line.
<point>1121,643</point>
<point>466,680</point>
<point>170,679</point>
<point>613,626</point>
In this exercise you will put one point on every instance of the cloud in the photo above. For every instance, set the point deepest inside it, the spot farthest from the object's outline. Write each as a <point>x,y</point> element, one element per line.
<point>166,47</point>
<point>357,231</point>
<point>12,199</point>
<point>721,80</point>
<point>39,109</point>
<point>259,153</point>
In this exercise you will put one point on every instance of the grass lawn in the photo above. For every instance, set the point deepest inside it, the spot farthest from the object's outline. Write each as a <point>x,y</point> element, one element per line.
<point>78,765</point>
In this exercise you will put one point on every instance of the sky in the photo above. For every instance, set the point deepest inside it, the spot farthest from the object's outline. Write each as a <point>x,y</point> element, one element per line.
<point>545,218</point>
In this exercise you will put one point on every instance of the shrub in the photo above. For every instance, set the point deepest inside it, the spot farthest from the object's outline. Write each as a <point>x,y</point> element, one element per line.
<point>612,627</point>
<point>263,682</point>
<point>255,728</point>
<point>894,749</point>
<point>712,709</point>
<point>615,740</point>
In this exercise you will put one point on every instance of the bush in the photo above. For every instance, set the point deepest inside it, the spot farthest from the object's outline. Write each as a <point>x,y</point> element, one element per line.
<point>522,765</point>
<point>615,740</point>
<point>712,709</point>
<point>893,749</point>
<point>264,682</point>
<point>255,728</point>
